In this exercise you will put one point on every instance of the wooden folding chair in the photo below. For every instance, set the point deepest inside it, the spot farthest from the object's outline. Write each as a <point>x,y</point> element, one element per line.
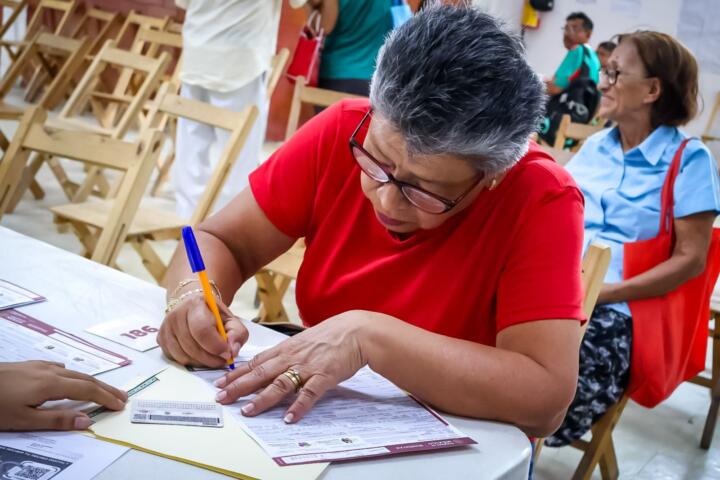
<point>277,66</point>
<point>151,223</point>
<point>134,22</point>
<point>600,448</point>
<point>315,96</point>
<point>134,160</point>
<point>64,8</point>
<point>275,278</point>
<point>97,25</point>
<point>108,57</point>
<point>16,7</point>
<point>562,157</point>
<point>568,130</point>
<point>711,134</point>
<point>59,56</point>
<point>713,381</point>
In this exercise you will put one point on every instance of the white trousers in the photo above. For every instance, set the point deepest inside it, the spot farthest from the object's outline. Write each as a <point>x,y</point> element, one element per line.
<point>198,146</point>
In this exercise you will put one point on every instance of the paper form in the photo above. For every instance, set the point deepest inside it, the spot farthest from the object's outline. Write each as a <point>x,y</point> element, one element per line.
<point>54,455</point>
<point>12,296</point>
<point>23,337</point>
<point>228,450</point>
<point>365,416</point>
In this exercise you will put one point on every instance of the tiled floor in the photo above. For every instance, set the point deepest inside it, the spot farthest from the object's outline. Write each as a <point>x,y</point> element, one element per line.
<point>651,444</point>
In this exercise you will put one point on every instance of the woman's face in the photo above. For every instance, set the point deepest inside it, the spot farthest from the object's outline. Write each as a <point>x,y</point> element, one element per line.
<point>444,175</point>
<point>633,93</point>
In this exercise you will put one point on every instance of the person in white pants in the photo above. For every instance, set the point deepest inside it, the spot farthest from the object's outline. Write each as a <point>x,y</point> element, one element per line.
<point>227,47</point>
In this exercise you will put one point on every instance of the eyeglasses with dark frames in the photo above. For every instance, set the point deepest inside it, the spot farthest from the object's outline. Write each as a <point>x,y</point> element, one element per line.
<point>419,197</point>
<point>612,75</point>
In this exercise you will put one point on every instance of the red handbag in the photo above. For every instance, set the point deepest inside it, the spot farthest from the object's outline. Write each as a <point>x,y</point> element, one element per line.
<point>306,58</point>
<point>670,331</point>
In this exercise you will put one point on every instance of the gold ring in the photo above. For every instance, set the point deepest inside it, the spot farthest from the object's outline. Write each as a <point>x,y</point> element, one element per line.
<point>294,377</point>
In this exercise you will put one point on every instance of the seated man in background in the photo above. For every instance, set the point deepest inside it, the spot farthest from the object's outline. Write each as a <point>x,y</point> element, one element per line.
<point>604,50</point>
<point>576,34</point>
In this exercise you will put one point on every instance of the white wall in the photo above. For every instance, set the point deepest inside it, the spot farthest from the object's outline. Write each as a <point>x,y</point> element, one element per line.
<point>545,49</point>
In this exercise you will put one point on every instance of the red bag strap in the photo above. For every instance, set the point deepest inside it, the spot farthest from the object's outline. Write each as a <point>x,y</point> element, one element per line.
<point>667,201</point>
<point>313,24</point>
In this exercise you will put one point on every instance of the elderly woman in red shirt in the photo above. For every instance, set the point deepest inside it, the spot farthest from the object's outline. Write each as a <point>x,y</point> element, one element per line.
<point>443,246</point>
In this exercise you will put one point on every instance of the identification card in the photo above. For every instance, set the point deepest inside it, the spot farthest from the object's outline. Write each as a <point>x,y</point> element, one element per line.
<point>168,412</point>
<point>138,332</point>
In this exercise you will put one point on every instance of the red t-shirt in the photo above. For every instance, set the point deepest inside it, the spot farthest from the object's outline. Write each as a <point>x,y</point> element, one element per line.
<point>512,256</point>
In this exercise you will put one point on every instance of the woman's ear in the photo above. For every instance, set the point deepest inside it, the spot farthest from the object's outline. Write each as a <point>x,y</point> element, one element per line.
<point>654,92</point>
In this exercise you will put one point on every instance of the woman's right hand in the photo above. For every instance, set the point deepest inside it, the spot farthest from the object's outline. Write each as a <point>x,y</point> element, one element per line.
<point>189,336</point>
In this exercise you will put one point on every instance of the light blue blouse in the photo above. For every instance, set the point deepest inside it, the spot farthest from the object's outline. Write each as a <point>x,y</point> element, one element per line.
<point>622,190</point>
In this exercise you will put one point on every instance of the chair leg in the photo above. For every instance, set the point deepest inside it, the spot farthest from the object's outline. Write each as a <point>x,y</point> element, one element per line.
<point>272,309</point>
<point>711,420</point>
<point>601,441</point>
<point>608,462</point>
<point>150,259</point>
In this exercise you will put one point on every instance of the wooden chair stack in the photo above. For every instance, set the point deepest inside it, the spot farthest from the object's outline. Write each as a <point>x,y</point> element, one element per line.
<point>134,160</point>
<point>151,224</point>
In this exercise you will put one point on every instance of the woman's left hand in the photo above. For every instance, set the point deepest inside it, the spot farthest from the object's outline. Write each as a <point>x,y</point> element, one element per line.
<point>323,356</point>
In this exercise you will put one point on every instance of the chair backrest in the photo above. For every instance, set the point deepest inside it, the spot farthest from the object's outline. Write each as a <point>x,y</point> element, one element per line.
<point>567,130</point>
<point>711,133</point>
<point>111,56</point>
<point>239,124</point>
<point>594,267</point>
<point>311,95</point>
<point>277,66</point>
<point>95,24</point>
<point>562,157</point>
<point>132,24</point>
<point>136,161</point>
<point>64,8</point>
<point>16,7</point>
<point>67,54</point>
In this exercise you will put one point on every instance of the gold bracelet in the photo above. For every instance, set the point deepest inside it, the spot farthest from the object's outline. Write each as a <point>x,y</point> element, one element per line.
<point>174,302</point>
<point>188,281</point>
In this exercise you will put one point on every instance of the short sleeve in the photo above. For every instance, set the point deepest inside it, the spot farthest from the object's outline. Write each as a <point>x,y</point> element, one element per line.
<point>697,186</point>
<point>542,279</point>
<point>286,185</point>
<point>569,65</point>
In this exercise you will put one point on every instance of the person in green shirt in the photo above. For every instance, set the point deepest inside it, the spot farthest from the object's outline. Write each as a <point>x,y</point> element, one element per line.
<point>576,34</point>
<point>355,30</point>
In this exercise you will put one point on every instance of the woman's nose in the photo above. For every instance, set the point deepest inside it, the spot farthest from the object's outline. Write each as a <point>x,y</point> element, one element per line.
<point>390,197</point>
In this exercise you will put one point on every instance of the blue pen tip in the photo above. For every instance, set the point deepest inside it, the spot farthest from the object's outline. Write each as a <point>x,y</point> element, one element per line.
<point>231,366</point>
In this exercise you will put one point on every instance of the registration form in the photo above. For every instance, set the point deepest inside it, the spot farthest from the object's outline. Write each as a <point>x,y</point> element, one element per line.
<point>12,296</point>
<point>365,416</point>
<point>23,337</point>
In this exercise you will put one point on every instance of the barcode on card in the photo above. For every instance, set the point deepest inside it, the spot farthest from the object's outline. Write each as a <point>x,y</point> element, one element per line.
<point>168,412</point>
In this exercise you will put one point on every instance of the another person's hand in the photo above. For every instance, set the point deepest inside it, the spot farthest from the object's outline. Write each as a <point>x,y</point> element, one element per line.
<point>189,336</point>
<point>322,356</point>
<point>27,385</point>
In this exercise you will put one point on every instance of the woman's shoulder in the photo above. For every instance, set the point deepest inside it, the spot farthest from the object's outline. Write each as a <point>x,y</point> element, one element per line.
<point>538,171</point>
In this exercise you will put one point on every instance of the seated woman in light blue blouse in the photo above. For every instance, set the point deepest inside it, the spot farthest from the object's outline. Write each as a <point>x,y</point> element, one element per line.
<point>649,88</point>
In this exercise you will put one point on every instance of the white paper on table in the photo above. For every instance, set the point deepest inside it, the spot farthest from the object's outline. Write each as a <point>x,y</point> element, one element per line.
<point>365,416</point>
<point>12,296</point>
<point>54,455</point>
<point>138,332</point>
<point>23,338</point>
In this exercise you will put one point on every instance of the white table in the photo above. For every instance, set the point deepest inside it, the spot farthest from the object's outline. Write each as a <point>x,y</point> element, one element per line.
<point>82,293</point>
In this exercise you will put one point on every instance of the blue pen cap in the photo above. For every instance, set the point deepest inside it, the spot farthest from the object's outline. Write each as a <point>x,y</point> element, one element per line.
<point>193,252</point>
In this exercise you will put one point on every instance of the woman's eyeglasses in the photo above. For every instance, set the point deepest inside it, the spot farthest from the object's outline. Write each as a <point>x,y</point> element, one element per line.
<point>612,75</point>
<point>422,199</point>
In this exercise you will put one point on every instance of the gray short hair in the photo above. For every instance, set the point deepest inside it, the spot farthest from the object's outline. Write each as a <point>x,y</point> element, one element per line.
<point>451,80</point>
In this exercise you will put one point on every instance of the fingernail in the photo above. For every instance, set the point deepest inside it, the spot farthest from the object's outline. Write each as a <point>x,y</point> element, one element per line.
<point>248,408</point>
<point>220,382</point>
<point>82,423</point>
<point>288,418</point>
<point>226,355</point>
<point>222,395</point>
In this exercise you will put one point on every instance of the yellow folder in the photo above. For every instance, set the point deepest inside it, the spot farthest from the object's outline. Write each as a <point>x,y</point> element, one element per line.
<point>228,450</point>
